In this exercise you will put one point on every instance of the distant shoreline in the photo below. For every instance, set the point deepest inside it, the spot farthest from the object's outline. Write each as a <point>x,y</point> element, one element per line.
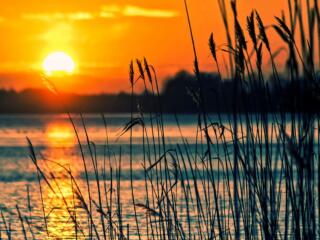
<point>179,95</point>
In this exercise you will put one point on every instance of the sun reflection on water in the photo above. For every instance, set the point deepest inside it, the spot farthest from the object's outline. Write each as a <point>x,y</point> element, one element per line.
<point>61,135</point>
<point>59,197</point>
<point>60,208</point>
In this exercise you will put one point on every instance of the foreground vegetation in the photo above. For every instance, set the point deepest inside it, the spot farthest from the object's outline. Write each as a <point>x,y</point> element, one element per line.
<point>253,175</point>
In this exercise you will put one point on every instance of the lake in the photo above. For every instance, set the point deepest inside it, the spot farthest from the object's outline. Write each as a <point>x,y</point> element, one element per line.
<point>54,140</point>
<point>58,151</point>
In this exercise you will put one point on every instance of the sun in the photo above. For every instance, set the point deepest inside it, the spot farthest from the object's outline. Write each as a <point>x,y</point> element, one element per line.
<point>58,63</point>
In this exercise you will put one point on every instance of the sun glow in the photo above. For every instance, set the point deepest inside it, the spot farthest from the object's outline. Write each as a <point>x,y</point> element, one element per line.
<point>60,135</point>
<point>58,63</point>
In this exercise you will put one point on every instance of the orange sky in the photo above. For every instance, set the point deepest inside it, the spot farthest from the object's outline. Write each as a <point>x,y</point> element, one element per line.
<point>103,36</point>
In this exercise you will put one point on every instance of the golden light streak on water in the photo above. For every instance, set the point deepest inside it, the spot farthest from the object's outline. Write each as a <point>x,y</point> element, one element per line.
<point>60,200</point>
<point>61,135</point>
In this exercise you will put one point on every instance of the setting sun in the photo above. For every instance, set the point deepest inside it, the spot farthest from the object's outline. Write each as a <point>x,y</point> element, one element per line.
<point>58,62</point>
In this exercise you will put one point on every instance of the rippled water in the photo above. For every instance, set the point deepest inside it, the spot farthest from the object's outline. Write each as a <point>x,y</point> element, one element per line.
<point>57,150</point>
<point>53,136</point>
<point>55,142</point>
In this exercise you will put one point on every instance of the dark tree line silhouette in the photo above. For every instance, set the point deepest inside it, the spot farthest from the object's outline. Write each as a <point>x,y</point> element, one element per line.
<point>179,95</point>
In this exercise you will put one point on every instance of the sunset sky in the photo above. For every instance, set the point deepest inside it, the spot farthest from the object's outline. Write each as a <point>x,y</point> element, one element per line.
<point>103,36</point>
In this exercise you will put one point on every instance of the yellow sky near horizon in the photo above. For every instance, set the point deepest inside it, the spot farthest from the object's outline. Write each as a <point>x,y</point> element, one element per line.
<point>103,36</point>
